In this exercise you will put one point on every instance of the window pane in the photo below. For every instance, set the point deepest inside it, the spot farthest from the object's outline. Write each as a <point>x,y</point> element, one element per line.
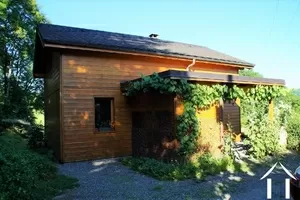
<point>103,114</point>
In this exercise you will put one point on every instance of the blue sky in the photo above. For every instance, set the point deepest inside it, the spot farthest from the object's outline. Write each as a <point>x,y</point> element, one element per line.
<point>263,32</point>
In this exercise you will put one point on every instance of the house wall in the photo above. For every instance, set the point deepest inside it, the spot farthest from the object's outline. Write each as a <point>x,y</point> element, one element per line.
<point>209,139</point>
<point>86,75</point>
<point>210,132</point>
<point>52,103</point>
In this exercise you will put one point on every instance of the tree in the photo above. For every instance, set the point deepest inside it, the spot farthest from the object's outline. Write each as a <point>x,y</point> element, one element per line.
<point>292,99</point>
<point>18,20</point>
<point>250,72</point>
<point>296,92</point>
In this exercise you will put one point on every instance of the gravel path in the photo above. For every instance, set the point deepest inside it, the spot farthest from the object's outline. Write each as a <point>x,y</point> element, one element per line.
<point>108,179</point>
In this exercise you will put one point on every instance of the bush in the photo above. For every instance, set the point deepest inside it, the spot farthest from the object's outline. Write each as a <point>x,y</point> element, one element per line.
<point>36,136</point>
<point>33,132</point>
<point>205,165</point>
<point>293,130</point>
<point>159,169</point>
<point>262,134</point>
<point>263,138</point>
<point>20,174</point>
<point>25,174</point>
<point>210,165</point>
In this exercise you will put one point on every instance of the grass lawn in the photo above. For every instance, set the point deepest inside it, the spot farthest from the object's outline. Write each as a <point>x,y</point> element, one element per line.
<point>25,174</point>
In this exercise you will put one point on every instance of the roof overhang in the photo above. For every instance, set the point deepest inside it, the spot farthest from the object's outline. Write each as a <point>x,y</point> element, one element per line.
<point>214,78</point>
<point>104,49</point>
<point>39,58</point>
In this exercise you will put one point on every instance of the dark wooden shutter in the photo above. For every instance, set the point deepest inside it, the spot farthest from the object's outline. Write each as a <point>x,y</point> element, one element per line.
<point>232,116</point>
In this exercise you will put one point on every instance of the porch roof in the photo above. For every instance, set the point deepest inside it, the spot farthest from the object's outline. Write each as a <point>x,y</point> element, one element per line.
<point>215,78</point>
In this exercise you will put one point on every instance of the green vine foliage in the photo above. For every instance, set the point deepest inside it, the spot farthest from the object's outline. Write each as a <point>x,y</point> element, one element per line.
<point>264,93</point>
<point>188,129</point>
<point>156,83</point>
<point>195,97</point>
<point>202,96</point>
<point>262,133</point>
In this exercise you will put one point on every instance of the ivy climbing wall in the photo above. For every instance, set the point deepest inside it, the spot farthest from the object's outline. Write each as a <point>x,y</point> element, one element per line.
<point>197,108</point>
<point>209,139</point>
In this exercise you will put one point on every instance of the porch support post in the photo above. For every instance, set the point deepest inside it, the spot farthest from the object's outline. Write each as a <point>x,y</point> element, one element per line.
<point>238,102</point>
<point>221,117</point>
<point>238,136</point>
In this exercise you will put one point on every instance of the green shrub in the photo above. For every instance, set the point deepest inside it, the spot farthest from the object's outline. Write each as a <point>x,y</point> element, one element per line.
<point>205,165</point>
<point>19,181</point>
<point>33,132</point>
<point>25,174</point>
<point>211,165</point>
<point>36,136</point>
<point>159,169</point>
<point>263,138</point>
<point>262,133</point>
<point>293,130</point>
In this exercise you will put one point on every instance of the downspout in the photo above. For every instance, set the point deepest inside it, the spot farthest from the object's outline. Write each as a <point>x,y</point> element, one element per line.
<point>190,65</point>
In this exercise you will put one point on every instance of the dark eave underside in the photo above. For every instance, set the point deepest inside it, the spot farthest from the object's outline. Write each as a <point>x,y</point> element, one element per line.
<point>215,78</point>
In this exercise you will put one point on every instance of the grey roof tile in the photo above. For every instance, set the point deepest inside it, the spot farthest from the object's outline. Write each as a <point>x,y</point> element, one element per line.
<point>57,34</point>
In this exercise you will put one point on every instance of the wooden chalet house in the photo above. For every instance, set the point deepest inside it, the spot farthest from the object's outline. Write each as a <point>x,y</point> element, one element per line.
<point>86,114</point>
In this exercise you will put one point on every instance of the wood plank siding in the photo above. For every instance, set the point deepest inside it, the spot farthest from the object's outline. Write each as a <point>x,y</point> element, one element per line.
<point>86,75</point>
<point>210,132</point>
<point>52,103</point>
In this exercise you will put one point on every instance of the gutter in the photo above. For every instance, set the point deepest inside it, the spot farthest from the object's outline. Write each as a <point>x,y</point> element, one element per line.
<point>190,65</point>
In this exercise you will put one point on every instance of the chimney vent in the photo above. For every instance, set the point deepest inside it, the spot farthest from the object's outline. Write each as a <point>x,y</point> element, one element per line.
<point>153,35</point>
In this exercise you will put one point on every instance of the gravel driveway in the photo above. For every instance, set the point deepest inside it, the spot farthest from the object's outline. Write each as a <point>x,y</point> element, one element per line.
<point>108,179</point>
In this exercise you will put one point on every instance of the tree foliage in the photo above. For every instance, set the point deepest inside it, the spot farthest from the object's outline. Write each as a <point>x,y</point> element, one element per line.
<point>262,133</point>
<point>20,91</point>
<point>296,92</point>
<point>292,98</point>
<point>251,73</point>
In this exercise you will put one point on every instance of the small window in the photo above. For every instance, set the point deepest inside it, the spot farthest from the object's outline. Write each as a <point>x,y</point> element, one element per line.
<point>104,115</point>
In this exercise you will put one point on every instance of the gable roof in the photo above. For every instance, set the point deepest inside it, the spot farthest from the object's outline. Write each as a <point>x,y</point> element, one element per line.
<point>79,37</point>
